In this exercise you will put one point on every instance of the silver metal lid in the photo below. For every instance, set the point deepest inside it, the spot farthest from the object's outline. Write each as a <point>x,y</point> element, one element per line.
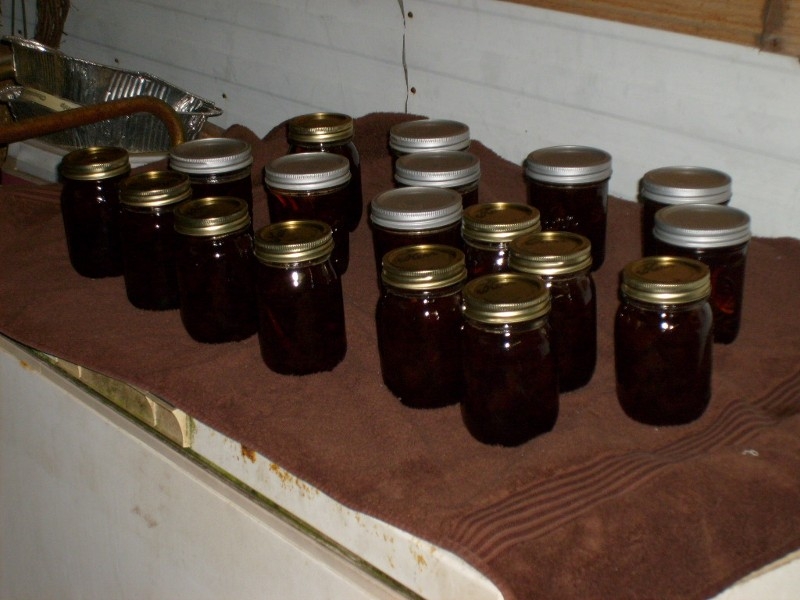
<point>438,168</point>
<point>429,134</point>
<point>416,208</point>
<point>210,155</point>
<point>702,226</point>
<point>499,221</point>
<point>307,171</point>
<point>686,185</point>
<point>568,164</point>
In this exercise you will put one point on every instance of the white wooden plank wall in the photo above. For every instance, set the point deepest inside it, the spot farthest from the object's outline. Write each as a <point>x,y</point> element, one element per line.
<point>521,77</point>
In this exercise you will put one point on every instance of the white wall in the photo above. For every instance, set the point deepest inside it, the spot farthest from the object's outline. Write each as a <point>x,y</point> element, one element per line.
<point>521,77</point>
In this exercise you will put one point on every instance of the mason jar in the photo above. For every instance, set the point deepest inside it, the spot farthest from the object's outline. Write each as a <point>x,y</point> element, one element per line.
<point>454,169</point>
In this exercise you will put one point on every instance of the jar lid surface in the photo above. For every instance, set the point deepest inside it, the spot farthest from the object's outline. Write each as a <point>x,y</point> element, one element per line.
<point>95,163</point>
<point>702,226</point>
<point>211,155</point>
<point>307,171</point>
<point>292,242</point>
<point>416,208</point>
<point>506,298</point>
<point>438,168</point>
<point>212,216</point>
<point>666,280</point>
<point>155,188</point>
<point>429,134</point>
<point>423,267</point>
<point>499,221</point>
<point>550,253</point>
<point>686,184</point>
<point>320,127</point>
<point>569,164</point>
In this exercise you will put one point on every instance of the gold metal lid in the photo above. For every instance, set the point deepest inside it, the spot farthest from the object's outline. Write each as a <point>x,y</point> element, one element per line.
<point>320,127</point>
<point>95,162</point>
<point>155,188</point>
<point>506,298</point>
<point>212,216</point>
<point>423,267</point>
<point>666,280</point>
<point>292,242</point>
<point>550,253</point>
<point>499,221</point>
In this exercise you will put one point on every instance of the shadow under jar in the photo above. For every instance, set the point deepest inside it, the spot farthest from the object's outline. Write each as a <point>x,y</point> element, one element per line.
<point>510,371</point>
<point>148,238</point>
<point>90,208</point>
<point>424,135</point>
<point>331,132</point>
<point>454,169</point>
<point>717,236</point>
<point>563,260</point>
<point>300,306</point>
<point>214,258</point>
<point>418,319</point>
<point>312,186</point>
<point>663,340</point>
<point>569,186</point>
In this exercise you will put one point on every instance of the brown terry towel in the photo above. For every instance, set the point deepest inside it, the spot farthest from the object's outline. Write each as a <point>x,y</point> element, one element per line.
<point>601,507</point>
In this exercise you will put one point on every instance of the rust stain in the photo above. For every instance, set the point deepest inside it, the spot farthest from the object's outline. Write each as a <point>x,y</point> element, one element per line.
<point>148,519</point>
<point>248,453</point>
<point>773,18</point>
<point>25,365</point>
<point>420,560</point>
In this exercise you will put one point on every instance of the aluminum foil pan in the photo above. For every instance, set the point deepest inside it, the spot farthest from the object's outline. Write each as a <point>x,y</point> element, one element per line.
<point>48,81</point>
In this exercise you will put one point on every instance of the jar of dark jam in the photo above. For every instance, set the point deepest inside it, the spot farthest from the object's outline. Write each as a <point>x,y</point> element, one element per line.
<point>487,229</point>
<point>564,260</point>
<point>510,371</point>
<point>422,135</point>
<point>670,186</point>
<point>301,310</point>
<point>718,236</point>
<point>90,208</point>
<point>312,186</point>
<point>216,167</point>
<point>214,261</point>
<point>412,216</point>
<point>418,321</point>
<point>454,169</point>
<point>663,340</point>
<point>569,186</point>
<point>330,132</point>
<point>147,236</point>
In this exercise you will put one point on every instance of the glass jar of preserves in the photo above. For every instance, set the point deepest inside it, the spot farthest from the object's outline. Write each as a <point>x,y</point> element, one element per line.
<point>301,310</point>
<point>418,321</point>
<point>214,265</point>
<point>90,208</point>
<point>669,186</point>
<point>330,132</point>
<point>312,186</point>
<point>216,167</point>
<point>569,186</point>
<point>718,236</point>
<point>663,340</point>
<point>147,236</point>
<point>455,169</point>
<point>563,260</point>
<point>413,216</point>
<point>487,229</point>
<point>510,371</point>
<point>422,135</point>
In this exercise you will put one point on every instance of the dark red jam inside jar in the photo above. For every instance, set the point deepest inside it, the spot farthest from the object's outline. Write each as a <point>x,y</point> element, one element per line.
<point>663,340</point>
<point>424,135</point>
<point>678,186</point>
<point>717,236</point>
<point>216,167</point>
<point>90,208</point>
<point>413,216</point>
<point>510,371</point>
<point>454,169</point>
<point>488,229</point>
<point>563,260</point>
<point>331,132</point>
<point>148,238</point>
<point>569,186</point>
<point>214,259</point>
<point>300,306</point>
<point>312,186</point>
<point>418,320</point>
